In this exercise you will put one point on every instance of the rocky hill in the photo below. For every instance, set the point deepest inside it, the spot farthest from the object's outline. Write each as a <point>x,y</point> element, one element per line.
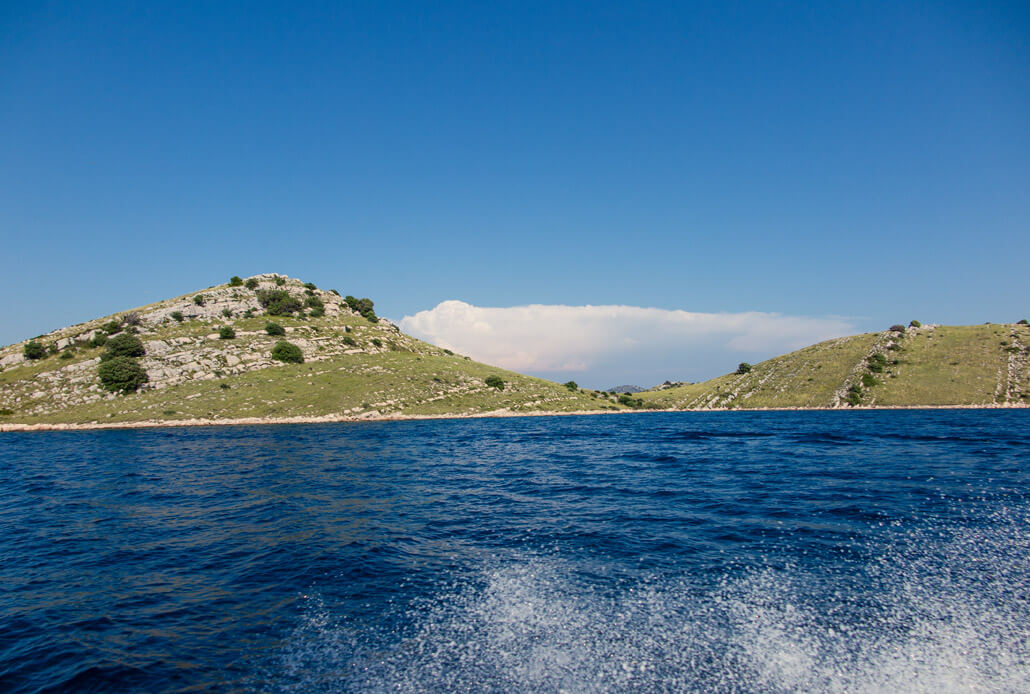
<point>209,355</point>
<point>918,365</point>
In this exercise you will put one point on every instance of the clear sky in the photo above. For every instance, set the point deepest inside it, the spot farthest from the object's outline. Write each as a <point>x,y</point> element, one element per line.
<point>858,163</point>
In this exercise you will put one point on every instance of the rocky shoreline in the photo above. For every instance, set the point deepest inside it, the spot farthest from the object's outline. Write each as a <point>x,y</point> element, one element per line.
<point>496,414</point>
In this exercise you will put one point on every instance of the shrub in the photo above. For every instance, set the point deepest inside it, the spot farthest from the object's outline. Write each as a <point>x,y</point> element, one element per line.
<point>223,386</point>
<point>868,380</point>
<point>235,281</point>
<point>317,312</point>
<point>248,313</point>
<point>33,350</point>
<point>177,316</point>
<point>335,291</point>
<point>123,345</point>
<point>897,328</point>
<point>199,299</point>
<point>1023,321</point>
<point>915,324</point>
<point>251,283</point>
<point>278,302</point>
<point>314,302</point>
<point>495,382</point>
<point>377,342</point>
<point>122,374</point>
<point>67,354</point>
<point>743,368</point>
<point>99,339</point>
<point>226,333</point>
<point>448,352</point>
<point>132,318</point>
<point>310,285</point>
<point>280,281</point>
<point>274,329</point>
<point>571,385</point>
<point>287,352</point>
<point>6,411</point>
<point>227,313</point>
<point>112,327</point>
<point>349,341</point>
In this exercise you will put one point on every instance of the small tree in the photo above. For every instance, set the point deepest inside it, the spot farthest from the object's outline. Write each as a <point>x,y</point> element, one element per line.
<point>99,339</point>
<point>274,329</point>
<point>743,368</point>
<point>897,328</point>
<point>571,385</point>
<point>226,333</point>
<point>278,302</point>
<point>121,374</point>
<point>112,327</point>
<point>1023,321</point>
<point>236,281</point>
<point>279,281</point>
<point>252,283</point>
<point>377,342</point>
<point>495,382</point>
<point>199,299</point>
<point>177,316</point>
<point>310,285</point>
<point>124,345</point>
<point>34,350</point>
<point>287,352</point>
<point>915,324</point>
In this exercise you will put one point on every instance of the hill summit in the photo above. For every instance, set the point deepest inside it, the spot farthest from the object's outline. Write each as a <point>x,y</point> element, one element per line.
<point>267,347</point>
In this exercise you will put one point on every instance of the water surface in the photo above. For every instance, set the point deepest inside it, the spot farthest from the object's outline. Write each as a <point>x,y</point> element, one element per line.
<point>780,551</point>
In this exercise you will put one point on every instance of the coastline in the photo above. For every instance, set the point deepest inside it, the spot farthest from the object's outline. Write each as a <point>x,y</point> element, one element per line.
<point>13,427</point>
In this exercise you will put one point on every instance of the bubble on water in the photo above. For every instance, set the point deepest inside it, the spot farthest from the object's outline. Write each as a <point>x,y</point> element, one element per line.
<point>936,611</point>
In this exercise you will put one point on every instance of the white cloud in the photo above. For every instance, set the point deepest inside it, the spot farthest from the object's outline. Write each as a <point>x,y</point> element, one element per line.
<point>552,338</point>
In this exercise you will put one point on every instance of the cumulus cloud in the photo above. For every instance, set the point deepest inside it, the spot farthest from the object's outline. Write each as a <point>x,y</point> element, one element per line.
<point>550,339</point>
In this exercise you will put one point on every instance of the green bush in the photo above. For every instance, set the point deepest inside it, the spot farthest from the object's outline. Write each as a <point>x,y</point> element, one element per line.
<point>199,299</point>
<point>251,283</point>
<point>287,352</point>
<point>897,328</point>
<point>314,302</point>
<point>274,329</point>
<point>278,302</point>
<point>67,354</point>
<point>364,307</point>
<point>743,368</point>
<point>112,327</point>
<point>317,312</point>
<point>177,316</point>
<point>335,291</point>
<point>123,345</point>
<point>349,341</point>
<point>377,342</point>
<point>235,281</point>
<point>33,350</point>
<point>227,313</point>
<point>99,339</point>
<point>915,324</point>
<point>121,374</point>
<point>310,285</point>
<point>1023,321</point>
<point>132,318</point>
<point>223,386</point>
<point>6,411</point>
<point>280,281</point>
<point>868,380</point>
<point>495,382</point>
<point>571,385</point>
<point>226,333</point>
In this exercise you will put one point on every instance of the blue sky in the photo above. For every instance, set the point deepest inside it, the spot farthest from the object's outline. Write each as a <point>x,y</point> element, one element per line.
<point>869,163</point>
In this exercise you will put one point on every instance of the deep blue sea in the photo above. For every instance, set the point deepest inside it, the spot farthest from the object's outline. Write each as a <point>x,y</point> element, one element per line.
<point>687,552</point>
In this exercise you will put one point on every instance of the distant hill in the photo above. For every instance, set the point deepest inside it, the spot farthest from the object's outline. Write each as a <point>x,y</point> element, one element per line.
<point>207,355</point>
<point>975,365</point>
<point>626,389</point>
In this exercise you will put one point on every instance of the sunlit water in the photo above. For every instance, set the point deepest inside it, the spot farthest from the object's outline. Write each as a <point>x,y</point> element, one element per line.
<point>708,552</point>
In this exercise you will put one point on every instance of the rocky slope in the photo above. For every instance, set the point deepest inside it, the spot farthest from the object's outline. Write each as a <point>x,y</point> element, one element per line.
<point>932,365</point>
<point>352,367</point>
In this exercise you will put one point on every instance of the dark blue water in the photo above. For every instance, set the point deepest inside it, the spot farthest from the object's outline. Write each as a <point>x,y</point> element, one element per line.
<point>830,551</point>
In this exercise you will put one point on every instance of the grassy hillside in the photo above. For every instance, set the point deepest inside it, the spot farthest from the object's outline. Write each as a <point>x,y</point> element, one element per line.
<point>352,366</point>
<point>918,366</point>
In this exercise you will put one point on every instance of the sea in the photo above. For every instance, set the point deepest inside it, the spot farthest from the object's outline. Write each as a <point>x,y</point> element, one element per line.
<point>828,551</point>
